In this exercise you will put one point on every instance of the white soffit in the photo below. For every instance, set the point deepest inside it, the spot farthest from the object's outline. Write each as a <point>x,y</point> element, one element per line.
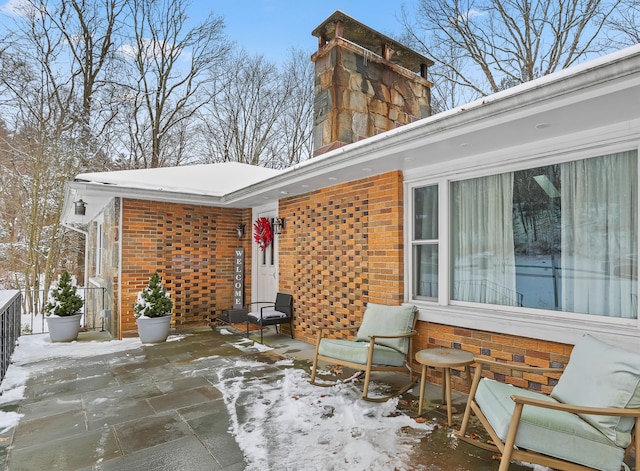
<point>599,93</point>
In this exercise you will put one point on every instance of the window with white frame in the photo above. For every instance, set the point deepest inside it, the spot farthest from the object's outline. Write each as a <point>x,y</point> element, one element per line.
<point>425,242</point>
<point>561,237</point>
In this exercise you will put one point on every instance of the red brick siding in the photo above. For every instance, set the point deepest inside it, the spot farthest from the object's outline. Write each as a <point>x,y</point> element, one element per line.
<point>499,347</point>
<point>191,247</point>
<point>342,247</point>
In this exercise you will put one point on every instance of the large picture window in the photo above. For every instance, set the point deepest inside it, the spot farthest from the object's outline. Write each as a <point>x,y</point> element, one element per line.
<point>561,237</point>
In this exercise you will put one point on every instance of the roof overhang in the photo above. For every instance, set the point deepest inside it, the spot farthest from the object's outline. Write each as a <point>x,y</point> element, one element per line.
<point>565,106</point>
<point>195,184</point>
<point>604,93</point>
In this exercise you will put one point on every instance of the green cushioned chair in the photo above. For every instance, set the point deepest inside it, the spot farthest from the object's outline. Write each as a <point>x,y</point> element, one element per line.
<point>585,424</point>
<point>383,342</point>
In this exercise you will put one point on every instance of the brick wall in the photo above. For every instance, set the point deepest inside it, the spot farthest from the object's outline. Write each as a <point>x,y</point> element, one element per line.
<point>342,247</point>
<point>192,249</point>
<point>496,346</point>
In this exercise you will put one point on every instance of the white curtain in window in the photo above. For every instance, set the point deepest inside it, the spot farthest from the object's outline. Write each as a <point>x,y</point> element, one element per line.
<point>483,247</point>
<point>599,235</point>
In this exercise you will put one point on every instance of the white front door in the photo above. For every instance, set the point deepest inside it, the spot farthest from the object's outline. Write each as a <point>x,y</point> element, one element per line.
<point>266,263</point>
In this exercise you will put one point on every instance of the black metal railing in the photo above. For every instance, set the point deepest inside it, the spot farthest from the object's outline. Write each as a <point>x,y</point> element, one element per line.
<point>10,314</point>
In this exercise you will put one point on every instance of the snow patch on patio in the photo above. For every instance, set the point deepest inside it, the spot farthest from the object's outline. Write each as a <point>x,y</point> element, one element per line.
<point>247,344</point>
<point>8,420</point>
<point>34,349</point>
<point>535,467</point>
<point>286,420</point>
<point>280,420</point>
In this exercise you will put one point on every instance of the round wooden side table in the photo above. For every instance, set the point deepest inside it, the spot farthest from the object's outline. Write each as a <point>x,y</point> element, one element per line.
<point>445,358</point>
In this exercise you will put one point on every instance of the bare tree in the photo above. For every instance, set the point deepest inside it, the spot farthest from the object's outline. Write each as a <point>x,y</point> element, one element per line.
<point>97,85</point>
<point>447,92</point>
<point>168,69</point>
<point>261,115</point>
<point>40,102</point>
<point>242,116</point>
<point>90,31</point>
<point>623,29</point>
<point>489,45</point>
<point>48,76</point>
<point>294,126</point>
<point>11,214</point>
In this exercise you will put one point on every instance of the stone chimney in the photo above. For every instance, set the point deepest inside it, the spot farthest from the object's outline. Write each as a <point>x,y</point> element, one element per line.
<point>365,83</point>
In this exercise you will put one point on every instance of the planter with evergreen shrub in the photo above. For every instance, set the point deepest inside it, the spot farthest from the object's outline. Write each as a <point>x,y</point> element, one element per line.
<point>63,310</point>
<point>153,311</point>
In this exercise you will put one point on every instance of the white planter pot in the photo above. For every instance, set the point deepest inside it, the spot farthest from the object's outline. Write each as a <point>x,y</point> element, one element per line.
<point>64,328</point>
<point>153,329</point>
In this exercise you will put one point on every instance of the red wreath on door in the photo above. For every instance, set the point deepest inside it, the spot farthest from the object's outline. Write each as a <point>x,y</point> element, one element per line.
<point>262,232</point>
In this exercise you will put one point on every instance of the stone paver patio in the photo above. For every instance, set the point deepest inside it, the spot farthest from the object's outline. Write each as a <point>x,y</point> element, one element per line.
<point>156,408</point>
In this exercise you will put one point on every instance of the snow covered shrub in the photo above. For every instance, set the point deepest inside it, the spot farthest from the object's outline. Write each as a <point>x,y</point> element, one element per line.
<point>153,301</point>
<point>63,298</point>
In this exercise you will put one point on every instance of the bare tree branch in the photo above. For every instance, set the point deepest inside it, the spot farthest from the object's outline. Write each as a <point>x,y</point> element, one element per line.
<point>261,116</point>
<point>169,69</point>
<point>624,29</point>
<point>49,71</point>
<point>488,45</point>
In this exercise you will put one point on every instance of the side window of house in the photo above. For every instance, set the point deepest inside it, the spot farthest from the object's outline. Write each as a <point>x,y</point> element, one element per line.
<point>99,246</point>
<point>425,242</point>
<point>562,237</point>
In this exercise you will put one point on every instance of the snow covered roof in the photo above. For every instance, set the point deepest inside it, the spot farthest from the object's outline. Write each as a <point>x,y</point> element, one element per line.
<point>573,105</point>
<point>208,179</point>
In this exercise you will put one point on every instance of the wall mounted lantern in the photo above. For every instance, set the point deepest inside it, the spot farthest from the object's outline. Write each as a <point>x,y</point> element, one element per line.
<point>80,207</point>
<point>278,225</point>
<point>240,230</point>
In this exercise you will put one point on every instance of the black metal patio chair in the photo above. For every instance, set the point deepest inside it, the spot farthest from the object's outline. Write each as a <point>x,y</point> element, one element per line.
<point>265,313</point>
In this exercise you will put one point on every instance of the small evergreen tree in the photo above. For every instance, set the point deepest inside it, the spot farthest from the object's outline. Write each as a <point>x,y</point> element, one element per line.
<point>153,301</point>
<point>63,298</point>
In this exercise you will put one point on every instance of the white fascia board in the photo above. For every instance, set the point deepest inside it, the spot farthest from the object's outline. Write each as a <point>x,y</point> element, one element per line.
<point>588,80</point>
<point>98,195</point>
<point>585,81</point>
<point>151,194</point>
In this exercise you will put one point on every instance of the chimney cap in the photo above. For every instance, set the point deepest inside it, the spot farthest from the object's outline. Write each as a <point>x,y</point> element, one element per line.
<point>354,31</point>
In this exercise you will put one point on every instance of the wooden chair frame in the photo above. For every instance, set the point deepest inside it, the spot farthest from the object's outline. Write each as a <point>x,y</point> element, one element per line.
<point>369,367</point>
<point>507,449</point>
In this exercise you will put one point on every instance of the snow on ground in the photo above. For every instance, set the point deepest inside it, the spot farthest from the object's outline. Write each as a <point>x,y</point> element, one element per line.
<point>246,344</point>
<point>333,426</point>
<point>31,350</point>
<point>278,423</point>
<point>277,418</point>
